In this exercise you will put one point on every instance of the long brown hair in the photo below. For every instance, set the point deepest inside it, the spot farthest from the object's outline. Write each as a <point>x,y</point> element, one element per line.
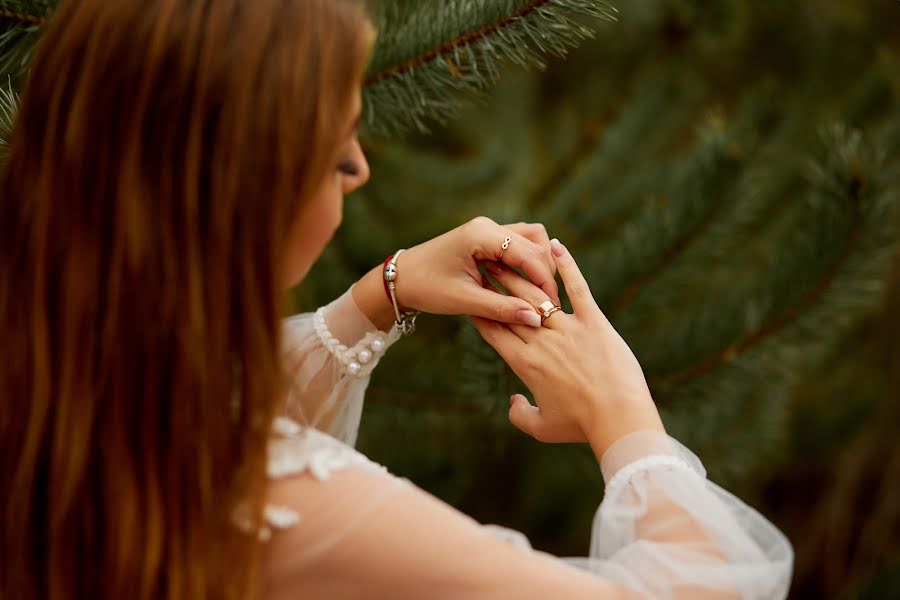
<point>162,152</point>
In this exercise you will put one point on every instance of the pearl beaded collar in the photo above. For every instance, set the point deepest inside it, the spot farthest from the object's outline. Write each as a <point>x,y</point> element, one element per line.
<point>359,360</point>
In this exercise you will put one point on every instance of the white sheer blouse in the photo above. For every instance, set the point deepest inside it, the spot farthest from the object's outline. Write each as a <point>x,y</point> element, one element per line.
<point>341,526</point>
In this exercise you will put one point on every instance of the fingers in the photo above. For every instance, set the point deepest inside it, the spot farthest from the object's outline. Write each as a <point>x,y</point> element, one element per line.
<point>488,304</point>
<point>576,287</point>
<point>522,414</point>
<point>525,416</point>
<point>536,233</point>
<point>516,284</point>
<point>505,342</point>
<point>487,238</point>
<point>525,332</point>
<point>522,288</point>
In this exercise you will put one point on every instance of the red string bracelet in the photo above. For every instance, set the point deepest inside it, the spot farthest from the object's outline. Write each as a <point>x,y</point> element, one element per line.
<point>387,290</point>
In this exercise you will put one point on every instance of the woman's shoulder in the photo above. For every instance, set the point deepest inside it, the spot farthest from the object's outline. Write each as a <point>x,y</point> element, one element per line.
<point>295,449</point>
<point>308,471</point>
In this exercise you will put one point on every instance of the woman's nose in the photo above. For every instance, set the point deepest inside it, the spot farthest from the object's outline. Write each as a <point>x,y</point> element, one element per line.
<point>353,182</point>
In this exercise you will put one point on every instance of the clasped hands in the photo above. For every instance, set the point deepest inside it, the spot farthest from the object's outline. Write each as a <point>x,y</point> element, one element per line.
<point>586,382</point>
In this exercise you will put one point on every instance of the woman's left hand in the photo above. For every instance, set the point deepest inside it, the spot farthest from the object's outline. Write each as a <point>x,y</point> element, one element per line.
<point>441,276</point>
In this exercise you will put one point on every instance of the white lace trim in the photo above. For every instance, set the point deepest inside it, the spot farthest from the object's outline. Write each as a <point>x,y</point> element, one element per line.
<point>304,449</point>
<point>277,517</point>
<point>647,463</point>
<point>294,450</point>
<point>359,360</point>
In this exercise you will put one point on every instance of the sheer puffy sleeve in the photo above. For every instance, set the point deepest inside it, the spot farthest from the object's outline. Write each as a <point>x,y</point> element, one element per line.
<point>329,356</point>
<point>665,531</point>
<point>662,531</point>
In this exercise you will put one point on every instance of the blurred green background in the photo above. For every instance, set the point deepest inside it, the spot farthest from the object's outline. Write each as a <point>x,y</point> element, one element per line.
<point>726,175</point>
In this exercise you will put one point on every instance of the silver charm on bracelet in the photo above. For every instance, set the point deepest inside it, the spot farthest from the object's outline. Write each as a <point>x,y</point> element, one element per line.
<point>406,321</point>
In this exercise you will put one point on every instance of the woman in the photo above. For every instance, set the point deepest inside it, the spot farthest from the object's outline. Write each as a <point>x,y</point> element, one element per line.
<point>176,165</point>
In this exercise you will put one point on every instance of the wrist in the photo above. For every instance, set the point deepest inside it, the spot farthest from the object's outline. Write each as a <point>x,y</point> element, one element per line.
<point>611,423</point>
<point>368,293</point>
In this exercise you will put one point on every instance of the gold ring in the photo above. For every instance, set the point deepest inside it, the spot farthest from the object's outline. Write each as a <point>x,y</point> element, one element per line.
<point>546,309</point>
<point>503,247</point>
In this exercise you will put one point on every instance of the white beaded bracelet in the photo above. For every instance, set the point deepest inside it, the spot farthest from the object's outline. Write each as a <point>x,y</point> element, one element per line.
<point>358,360</point>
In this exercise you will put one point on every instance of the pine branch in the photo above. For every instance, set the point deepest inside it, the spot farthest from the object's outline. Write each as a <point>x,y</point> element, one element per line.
<point>9,102</point>
<point>658,109</point>
<point>660,222</point>
<point>20,24</point>
<point>743,391</point>
<point>730,279</point>
<point>428,53</point>
<point>841,200</point>
<point>705,190</point>
<point>20,18</point>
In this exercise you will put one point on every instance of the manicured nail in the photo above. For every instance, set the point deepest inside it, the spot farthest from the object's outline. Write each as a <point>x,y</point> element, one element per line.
<point>529,317</point>
<point>557,247</point>
<point>512,399</point>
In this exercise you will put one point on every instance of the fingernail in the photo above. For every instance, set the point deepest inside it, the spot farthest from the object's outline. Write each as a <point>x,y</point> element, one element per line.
<point>557,247</point>
<point>529,317</point>
<point>493,268</point>
<point>512,399</point>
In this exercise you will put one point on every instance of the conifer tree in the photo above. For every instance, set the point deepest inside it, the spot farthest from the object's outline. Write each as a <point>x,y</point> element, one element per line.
<point>726,176</point>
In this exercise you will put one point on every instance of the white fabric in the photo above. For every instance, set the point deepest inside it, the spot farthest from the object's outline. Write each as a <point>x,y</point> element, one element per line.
<point>348,528</point>
<point>324,393</point>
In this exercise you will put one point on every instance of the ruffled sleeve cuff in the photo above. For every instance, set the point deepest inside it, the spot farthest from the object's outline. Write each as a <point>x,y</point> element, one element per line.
<point>665,531</point>
<point>643,449</point>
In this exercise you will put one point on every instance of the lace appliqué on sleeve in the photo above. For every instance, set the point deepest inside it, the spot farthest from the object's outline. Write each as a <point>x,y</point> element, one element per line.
<point>294,450</point>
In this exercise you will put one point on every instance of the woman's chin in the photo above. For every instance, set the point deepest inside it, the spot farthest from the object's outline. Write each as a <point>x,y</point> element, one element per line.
<point>300,271</point>
<point>296,276</point>
<point>306,247</point>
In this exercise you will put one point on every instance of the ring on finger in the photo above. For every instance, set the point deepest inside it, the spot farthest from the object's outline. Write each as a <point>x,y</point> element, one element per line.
<point>503,247</point>
<point>546,309</point>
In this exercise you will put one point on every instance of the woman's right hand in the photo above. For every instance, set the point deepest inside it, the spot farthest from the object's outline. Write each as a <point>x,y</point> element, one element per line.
<point>586,382</point>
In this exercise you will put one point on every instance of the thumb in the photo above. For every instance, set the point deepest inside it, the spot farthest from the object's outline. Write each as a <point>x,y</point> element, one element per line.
<point>481,302</point>
<point>525,416</point>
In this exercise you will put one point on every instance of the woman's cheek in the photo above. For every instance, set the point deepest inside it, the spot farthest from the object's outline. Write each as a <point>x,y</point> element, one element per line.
<point>313,231</point>
<point>327,213</point>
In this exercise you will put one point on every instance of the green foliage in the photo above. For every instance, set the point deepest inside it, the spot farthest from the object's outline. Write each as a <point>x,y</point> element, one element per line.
<point>9,102</point>
<point>726,175</point>
<point>428,58</point>
<point>729,186</point>
<point>20,23</point>
<point>20,26</point>
<point>428,52</point>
